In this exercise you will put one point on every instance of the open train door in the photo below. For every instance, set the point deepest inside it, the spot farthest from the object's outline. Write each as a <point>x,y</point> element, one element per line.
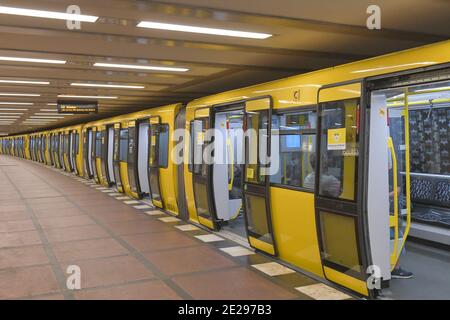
<point>256,184</point>
<point>153,162</point>
<point>339,188</point>
<point>202,171</point>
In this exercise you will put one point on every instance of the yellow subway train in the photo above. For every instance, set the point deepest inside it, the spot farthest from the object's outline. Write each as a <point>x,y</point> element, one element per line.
<point>347,127</point>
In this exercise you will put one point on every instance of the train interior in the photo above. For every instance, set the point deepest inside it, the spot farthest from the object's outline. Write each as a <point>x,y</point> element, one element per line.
<point>417,187</point>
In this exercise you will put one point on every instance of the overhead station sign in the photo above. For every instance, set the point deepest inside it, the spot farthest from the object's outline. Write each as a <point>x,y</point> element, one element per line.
<point>77,107</point>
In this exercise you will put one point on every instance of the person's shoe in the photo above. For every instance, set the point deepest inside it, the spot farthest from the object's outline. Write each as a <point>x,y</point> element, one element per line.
<point>399,273</point>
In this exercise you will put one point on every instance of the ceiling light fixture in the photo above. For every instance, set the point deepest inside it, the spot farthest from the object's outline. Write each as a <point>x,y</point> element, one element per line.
<point>18,103</point>
<point>12,94</point>
<point>23,82</point>
<point>52,114</point>
<point>139,67</point>
<point>202,30</point>
<point>47,14</point>
<point>76,84</point>
<point>85,97</point>
<point>33,60</point>
<point>11,109</point>
<point>10,113</point>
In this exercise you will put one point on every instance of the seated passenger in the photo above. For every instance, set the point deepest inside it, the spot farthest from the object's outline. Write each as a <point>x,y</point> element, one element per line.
<point>330,185</point>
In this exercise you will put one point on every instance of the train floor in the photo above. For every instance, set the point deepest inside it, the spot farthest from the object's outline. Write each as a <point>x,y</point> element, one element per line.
<point>431,269</point>
<point>51,224</point>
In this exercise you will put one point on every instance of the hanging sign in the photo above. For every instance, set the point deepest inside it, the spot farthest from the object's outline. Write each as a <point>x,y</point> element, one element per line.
<point>77,107</point>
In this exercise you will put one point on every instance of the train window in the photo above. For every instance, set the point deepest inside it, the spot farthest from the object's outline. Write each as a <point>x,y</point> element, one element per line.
<point>294,140</point>
<point>339,149</point>
<point>163,152</point>
<point>257,124</point>
<point>98,144</point>
<point>123,145</point>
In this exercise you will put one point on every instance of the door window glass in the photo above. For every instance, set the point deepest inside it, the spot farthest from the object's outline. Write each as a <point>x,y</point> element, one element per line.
<point>256,147</point>
<point>123,145</point>
<point>339,149</point>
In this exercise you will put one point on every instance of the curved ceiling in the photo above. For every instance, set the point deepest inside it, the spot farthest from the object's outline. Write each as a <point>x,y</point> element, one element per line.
<point>306,36</point>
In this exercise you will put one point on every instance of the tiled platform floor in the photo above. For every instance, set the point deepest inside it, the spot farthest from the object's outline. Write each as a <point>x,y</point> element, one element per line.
<point>50,220</point>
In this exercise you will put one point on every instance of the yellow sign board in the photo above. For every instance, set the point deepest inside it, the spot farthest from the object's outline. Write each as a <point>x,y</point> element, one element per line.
<point>337,139</point>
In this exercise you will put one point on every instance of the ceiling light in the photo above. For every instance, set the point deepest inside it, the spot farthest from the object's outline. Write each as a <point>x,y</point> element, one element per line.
<point>45,117</point>
<point>105,85</point>
<point>10,113</point>
<point>11,109</point>
<point>140,67</point>
<point>85,97</point>
<point>18,103</point>
<point>52,104</point>
<point>52,114</point>
<point>47,14</point>
<point>23,82</point>
<point>50,110</point>
<point>203,30</point>
<point>17,59</point>
<point>20,94</point>
<point>9,117</point>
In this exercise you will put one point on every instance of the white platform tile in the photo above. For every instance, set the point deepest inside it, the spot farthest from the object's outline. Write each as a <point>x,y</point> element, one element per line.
<point>114,194</point>
<point>142,207</point>
<point>273,269</point>
<point>320,291</point>
<point>101,188</point>
<point>107,190</point>
<point>154,213</point>
<point>169,219</point>
<point>209,238</point>
<point>123,198</point>
<point>131,202</point>
<point>187,227</point>
<point>237,251</point>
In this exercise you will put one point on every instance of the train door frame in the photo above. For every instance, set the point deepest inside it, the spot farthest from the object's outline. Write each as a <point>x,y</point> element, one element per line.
<point>62,146</point>
<point>86,153</point>
<point>51,146</point>
<point>253,188</point>
<point>139,162</point>
<point>116,158</point>
<point>153,165</point>
<point>74,150</point>
<point>327,205</point>
<point>180,126</point>
<point>110,176</point>
<point>92,159</point>
<point>133,179</point>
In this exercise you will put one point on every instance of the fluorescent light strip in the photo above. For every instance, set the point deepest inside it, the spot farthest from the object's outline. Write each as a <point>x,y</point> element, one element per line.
<point>11,109</point>
<point>18,103</point>
<point>98,85</point>
<point>23,82</point>
<point>9,117</point>
<point>45,118</point>
<point>49,110</point>
<point>11,94</point>
<point>85,97</point>
<point>10,113</point>
<point>202,30</point>
<point>52,104</point>
<point>33,60</point>
<point>52,114</point>
<point>139,67</point>
<point>47,14</point>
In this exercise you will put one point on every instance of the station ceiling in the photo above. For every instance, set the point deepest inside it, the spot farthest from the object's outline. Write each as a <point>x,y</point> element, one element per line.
<point>306,35</point>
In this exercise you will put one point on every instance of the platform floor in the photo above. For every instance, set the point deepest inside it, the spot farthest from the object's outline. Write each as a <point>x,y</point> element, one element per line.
<point>125,249</point>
